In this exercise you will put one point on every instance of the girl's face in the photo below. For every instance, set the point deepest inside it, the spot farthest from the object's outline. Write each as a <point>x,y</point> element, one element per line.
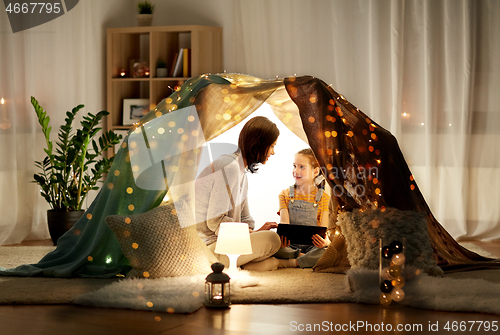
<point>270,151</point>
<point>303,172</point>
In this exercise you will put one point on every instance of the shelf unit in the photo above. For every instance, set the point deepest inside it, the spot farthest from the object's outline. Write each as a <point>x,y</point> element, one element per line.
<point>151,44</point>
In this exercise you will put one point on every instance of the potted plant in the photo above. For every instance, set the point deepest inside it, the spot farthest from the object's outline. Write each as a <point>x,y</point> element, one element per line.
<point>161,68</point>
<point>145,12</point>
<point>72,167</point>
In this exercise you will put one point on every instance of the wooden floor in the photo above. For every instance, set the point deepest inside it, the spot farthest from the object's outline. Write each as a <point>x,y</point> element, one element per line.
<point>241,319</point>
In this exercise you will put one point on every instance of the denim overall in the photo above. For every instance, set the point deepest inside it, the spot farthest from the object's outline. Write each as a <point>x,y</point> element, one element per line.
<point>304,213</point>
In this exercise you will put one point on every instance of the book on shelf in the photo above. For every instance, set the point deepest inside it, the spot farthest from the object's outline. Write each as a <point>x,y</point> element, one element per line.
<point>181,66</point>
<point>178,64</point>
<point>186,68</point>
<point>172,67</point>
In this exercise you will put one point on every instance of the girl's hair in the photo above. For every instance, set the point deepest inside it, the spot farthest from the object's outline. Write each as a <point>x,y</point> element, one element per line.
<point>258,134</point>
<point>309,153</point>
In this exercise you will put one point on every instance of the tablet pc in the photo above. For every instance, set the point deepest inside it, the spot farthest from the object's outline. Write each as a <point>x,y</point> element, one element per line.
<point>298,234</point>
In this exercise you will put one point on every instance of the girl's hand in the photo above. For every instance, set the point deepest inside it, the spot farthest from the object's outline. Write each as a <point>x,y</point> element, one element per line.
<point>320,242</point>
<point>284,242</point>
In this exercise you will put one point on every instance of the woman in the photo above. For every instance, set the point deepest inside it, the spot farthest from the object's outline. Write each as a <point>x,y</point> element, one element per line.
<point>221,195</point>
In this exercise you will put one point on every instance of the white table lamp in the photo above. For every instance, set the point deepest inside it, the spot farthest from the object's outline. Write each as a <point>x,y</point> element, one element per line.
<point>233,240</point>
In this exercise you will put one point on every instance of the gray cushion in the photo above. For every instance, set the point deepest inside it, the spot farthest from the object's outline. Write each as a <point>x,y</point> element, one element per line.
<point>363,229</point>
<point>156,246</point>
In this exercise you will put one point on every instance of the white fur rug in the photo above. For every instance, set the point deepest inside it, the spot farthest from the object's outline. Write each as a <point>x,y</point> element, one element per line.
<point>435,293</point>
<point>474,291</point>
<point>477,250</point>
<point>186,294</point>
<point>173,295</point>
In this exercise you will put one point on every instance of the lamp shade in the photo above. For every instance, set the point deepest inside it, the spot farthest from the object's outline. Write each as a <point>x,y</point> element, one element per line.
<point>233,239</point>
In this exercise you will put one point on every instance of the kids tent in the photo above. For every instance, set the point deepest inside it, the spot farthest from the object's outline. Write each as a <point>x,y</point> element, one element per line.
<point>160,157</point>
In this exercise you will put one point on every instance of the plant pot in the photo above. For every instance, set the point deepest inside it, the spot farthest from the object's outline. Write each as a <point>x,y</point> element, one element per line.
<point>60,222</point>
<point>144,19</point>
<point>161,72</point>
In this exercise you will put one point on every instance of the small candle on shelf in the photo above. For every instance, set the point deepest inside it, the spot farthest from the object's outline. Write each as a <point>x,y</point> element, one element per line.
<point>123,74</point>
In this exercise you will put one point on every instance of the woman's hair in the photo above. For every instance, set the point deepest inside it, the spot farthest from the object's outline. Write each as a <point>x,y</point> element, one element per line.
<point>309,153</point>
<point>258,134</point>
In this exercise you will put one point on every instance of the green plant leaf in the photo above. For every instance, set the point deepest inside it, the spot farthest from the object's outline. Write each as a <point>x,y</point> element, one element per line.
<point>39,179</point>
<point>145,7</point>
<point>94,146</point>
<point>66,175</point>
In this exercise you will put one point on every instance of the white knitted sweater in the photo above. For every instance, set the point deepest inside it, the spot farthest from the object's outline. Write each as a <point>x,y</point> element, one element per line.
<point>213,204</point>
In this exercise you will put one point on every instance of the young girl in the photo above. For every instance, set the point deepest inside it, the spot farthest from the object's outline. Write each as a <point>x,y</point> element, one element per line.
<point>304,203</point>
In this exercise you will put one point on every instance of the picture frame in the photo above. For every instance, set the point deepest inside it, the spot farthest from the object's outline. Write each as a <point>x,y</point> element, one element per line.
<point>134,110</point>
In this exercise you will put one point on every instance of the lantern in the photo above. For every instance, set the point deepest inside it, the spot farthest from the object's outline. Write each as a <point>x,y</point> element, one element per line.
<point>217,293</point>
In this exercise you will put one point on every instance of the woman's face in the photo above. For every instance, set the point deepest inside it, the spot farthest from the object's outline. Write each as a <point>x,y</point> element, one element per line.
<point>270,151</point>
<point>303,172</point>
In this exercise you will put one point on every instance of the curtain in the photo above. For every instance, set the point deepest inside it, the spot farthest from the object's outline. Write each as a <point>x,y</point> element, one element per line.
<point>425,70</point>
<point>62,64</point>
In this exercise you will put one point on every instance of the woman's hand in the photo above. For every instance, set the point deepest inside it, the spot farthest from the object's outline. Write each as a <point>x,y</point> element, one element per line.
<point>284,242</point>
<point>267,226</point>
<point>320,242</point>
